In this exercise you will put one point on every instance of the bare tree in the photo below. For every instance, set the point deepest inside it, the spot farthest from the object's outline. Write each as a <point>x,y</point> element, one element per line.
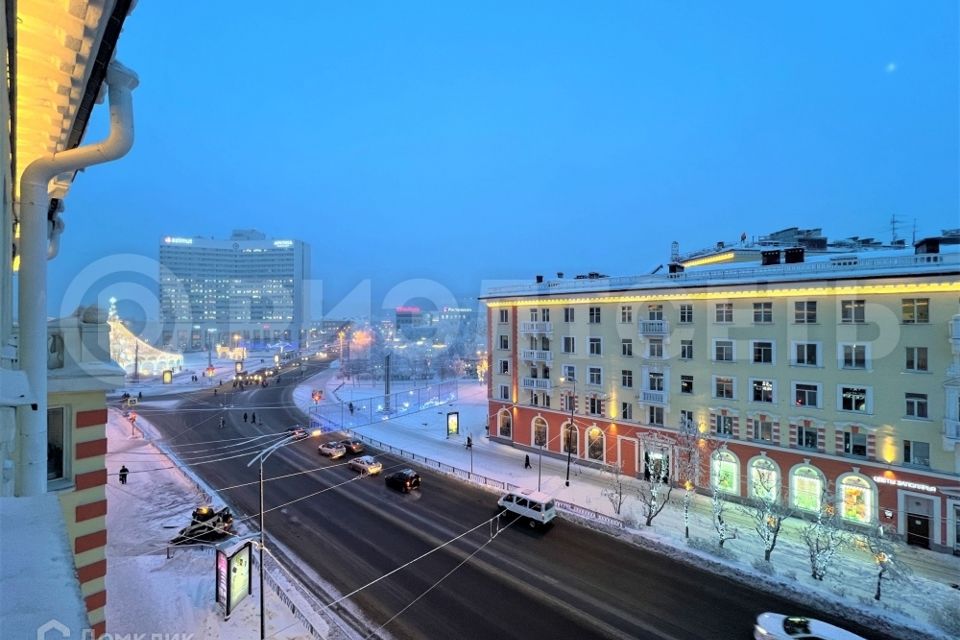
<point>885,549</point>
<point>768,508</point>
<point>824,536</point>
<point>724,531</point>
<point>691,445</point>
<point>653,491</point>
<point>616,489</point>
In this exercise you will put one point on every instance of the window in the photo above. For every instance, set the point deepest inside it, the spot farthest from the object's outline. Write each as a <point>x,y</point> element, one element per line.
<point>655,312</point>
<point>595,406</point>
<point>539,432</point>
<point>686,314</point>
<point>686,384</point>
<point>723,425</point>
<point>57,460</point>
<point>655,415</point>
<point>853,399</point>
<point>853,356</point>
<point>915,452</point>
<point>656,465</point>
<point>915,310</point>
<point>504,342</point>
<point>595,375</point>
<point>724,312</point>
<point>655,348</point>
<point>723,350</point>
<point>594,315</point>
<point>806,395</point>
<point>534,315</point>
<point>856,499</point>
<point>807,486</point>
<point>725,472</point>
<point>594,347</point>
<point>569,344</point>
<point>917,405</point>
<point>686,349</point>
<point>569,372</point>
<point>722,387</point>
<point>764,480</point>
<point>504,392</point>
<point>806,436</point>
<point>544,343</point>
<point>504,424</point>
<point>851,311</point>
<point>655,381</point>
<point>503,366</point>
<point>762,352</point>
<point>568,314</point>
<point>595,443</point>
<point>626,314</point>
<point>626,378</point>
<point>626,347</point>
<point>855,444</point>
<point>546,400</point>
<point>763,430</point>
<point>545,315</point>
<point>916,359</point>
<point>762,312</point>
<point>626,410</point>
<point>805,312</point>
<point>504,316</point>
<point>762,390</point>
<point>686,418</point>
<point>570,438</point>
<point>807,354</point>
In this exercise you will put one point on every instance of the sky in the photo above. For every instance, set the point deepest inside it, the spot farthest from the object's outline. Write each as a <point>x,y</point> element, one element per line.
<point>464,143</point>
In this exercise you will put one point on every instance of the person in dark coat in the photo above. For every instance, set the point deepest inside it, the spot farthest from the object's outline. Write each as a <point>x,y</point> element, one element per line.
<point>123,474</point>
<point>469,442</point>
<point>244,416</point>
<point>253,417</point>
<point>140,395</point>
<point>526,462</point>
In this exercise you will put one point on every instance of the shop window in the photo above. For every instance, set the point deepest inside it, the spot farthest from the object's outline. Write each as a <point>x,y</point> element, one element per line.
<point>806,484</point>
<point>725,472</point>
<point>570,436</point>
<point>539,432</point>
<point>764,479</point>
<point>504,424</point>
<point>856,499</point>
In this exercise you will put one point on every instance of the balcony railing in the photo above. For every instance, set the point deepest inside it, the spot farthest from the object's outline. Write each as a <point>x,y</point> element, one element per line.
<point>536,355</point>
<point>653,397</point>
<point>951,429</point>
<point>536,327</point>
<point>539,384</point>
<point>654,327</point>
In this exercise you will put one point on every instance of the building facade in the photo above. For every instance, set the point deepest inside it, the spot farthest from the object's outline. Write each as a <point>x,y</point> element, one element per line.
<point>247,289</point>
<point>837,373</point>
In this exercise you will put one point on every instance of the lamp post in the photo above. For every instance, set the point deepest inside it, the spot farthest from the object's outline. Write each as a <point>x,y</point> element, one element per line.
<point>259,458</point>
<point>571,402</point>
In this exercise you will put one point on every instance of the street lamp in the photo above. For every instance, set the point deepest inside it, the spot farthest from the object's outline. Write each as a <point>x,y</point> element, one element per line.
<point>571,402</point>
<point>259,458</point>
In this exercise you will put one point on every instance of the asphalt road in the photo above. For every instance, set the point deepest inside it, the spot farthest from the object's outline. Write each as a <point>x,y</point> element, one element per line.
<point>566,582</point>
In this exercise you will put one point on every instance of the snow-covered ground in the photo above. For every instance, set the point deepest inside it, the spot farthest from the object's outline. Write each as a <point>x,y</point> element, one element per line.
<point>194,364</point>
<point>848,588</point>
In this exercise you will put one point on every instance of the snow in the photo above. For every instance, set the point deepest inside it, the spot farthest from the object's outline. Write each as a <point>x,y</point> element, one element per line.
<point>36,569</point>
<point>906,608</point>
<point>194,363</point>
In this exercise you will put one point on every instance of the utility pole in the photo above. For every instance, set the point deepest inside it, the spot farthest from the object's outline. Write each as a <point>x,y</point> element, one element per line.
<point>136,361</point>
<point>386,383</point>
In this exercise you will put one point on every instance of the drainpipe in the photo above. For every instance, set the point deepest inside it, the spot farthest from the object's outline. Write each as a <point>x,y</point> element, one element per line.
<point>31,477</point>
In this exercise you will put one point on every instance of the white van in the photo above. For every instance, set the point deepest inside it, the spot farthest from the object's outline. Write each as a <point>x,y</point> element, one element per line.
<point>535,506</point>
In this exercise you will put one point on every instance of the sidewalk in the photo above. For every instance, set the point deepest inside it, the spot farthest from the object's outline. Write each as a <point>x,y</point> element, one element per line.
<point>850,581</point>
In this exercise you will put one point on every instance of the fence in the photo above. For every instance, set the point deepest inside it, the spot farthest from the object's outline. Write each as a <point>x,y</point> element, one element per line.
<point>364,411</point>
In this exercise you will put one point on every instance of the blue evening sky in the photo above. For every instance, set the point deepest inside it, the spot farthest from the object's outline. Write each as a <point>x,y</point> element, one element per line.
<point>463,142</point>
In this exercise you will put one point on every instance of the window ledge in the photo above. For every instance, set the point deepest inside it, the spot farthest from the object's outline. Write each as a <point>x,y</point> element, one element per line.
<point>916,419</point>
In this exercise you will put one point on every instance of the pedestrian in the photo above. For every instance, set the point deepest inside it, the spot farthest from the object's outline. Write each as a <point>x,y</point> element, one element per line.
<point>140,395</point>
<point>253,418</point>
<point>244,416</point>
<point>350,406</point>
<point>222,422</point>
<point>123,474</point>
<point>221,383</point>
<point>469,442</point>
<point>526,462</point>
<point>214,392</point>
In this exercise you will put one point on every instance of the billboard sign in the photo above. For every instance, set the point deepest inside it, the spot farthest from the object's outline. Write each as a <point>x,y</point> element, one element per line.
<point>453,423</point>
<point>233,577</point>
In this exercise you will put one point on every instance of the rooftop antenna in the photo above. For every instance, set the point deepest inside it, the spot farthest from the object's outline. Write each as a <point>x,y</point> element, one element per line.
<point>674,251</point>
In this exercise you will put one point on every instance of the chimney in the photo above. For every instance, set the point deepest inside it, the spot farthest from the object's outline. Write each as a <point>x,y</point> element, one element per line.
<point>559,275</point>
<point>539,279</point>
<point>770,257</point>
<point>793,255</point>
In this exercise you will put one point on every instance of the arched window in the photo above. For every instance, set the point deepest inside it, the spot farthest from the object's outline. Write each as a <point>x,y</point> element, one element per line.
<point>856,499</point>
<point>806,487</point>
<point>595,443</point>
<point>570,436</point>
<point>656,464</point>
<point>539,432</point>
<point>725,472</point>
<point>504,424</point>
<point>764,479</point>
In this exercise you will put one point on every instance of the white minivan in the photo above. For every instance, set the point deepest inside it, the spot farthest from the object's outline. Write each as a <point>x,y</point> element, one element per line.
<point>535,506</point>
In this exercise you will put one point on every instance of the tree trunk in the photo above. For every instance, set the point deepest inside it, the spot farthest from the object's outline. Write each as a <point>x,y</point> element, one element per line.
<point>876,596</point>
<point>766,554</point>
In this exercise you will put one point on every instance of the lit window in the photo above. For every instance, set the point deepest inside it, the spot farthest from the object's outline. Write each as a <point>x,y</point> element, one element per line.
<point>856,500</point>
<point>853,399</point>
<point>725,472</point>
<point>806,485</point>
<point>539,432</point>
<point>595,444</point>
<point>915,310</point>
<point>764,480</point>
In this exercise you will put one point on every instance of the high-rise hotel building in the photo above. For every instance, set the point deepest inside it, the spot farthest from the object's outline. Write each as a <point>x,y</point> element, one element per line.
<point>247,290</point>
<point>834,370</point>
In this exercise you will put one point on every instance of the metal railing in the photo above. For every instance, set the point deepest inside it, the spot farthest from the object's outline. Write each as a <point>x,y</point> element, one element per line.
<point>536,355</point>
<point>535,383</point>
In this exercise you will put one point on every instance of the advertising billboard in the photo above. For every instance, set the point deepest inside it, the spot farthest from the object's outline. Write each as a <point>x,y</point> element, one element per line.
<point>453,423</point>
<point>233,577</point>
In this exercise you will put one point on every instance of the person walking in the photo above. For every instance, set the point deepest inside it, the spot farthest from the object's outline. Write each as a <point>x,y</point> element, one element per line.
<point>469,442</point>
<point>222,422</point>
<point>140,395</point>
<point>123,474</point>
<point>244,416</point>
<point>253,418</point>
<point>526,462</point>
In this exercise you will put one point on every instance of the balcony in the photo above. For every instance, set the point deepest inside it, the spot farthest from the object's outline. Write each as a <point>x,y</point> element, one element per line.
<point>544,328</point>
<point>652,397</point>
<point>654,327</point>
<point>536,355</point>
<point>535,384</point>
<point>951,433</point>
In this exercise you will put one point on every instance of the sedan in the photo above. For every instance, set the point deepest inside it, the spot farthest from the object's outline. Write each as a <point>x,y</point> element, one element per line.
<point>333,449</point>
<point>353,446</point>
<point>298,431</point>
<point>405,480</point>
<point>776,626</point>
<point>366,465</point>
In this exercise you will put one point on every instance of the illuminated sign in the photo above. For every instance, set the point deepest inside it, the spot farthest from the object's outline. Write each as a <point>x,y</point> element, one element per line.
<point>283,244</point>
<point>174,240</point>
<point>453,423</point>
<point>233,578</point>
<point>905,484</point>
<point>167,376</point>
<point>408,309</point>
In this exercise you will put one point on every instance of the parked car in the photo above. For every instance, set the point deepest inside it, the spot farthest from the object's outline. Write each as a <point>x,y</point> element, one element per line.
<point>366,465</point>
<point>332,449</point>
<point>352,446</point>
<point>298,431</point>
<point>405,480</point>
<point>776,626</point>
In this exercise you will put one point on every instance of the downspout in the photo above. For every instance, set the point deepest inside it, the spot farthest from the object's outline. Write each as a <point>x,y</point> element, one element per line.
<point>31,476</point>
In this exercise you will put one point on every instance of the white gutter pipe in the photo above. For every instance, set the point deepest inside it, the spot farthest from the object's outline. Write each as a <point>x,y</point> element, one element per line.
<point>31,476</point>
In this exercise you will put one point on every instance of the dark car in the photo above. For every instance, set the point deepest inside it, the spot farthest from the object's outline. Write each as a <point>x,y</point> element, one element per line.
<point>405,480</point>
<point>352,446</point>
